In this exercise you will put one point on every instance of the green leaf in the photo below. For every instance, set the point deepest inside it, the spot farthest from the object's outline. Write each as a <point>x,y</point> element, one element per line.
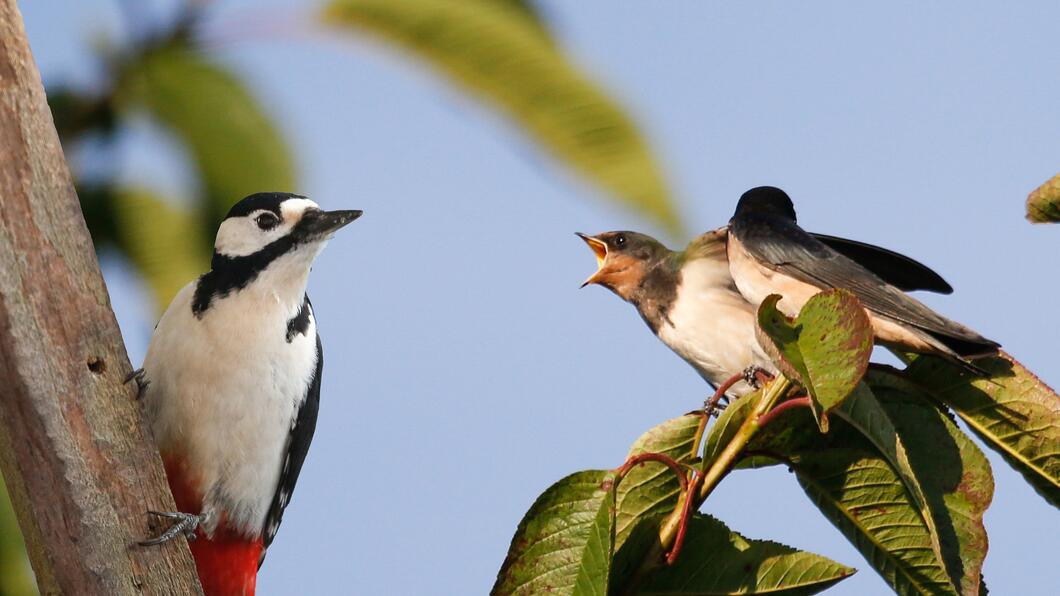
<point>164,242</point>
<point>594,571</point>
<point>16,575</point>
<point>1043,205</point>
<point>550,546</point>
<point>717,561</point>
<point>561,543</point>
<point>826,348</point>
<point>724,428</point>
<point>653,489</point>
<point>864,413</point>
<point>230,138</point>
<point>526,9</point>
<point>1014,412</point>
<point>861,492</point>
<point>488,50</point>
<point>955,475</point>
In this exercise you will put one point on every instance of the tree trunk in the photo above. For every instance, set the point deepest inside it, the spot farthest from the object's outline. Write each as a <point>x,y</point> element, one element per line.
<point>75,453</point>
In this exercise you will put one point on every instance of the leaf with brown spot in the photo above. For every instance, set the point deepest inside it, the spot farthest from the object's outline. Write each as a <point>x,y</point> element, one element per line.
<point>826,348</point>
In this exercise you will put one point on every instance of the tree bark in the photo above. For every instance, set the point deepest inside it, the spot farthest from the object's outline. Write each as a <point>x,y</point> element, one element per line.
<point>78,460</point>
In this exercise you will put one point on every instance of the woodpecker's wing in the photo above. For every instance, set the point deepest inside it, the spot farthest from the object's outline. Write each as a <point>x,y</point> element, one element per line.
<point>305,423</point>
<point>896,269</point>
<point>782,245</point>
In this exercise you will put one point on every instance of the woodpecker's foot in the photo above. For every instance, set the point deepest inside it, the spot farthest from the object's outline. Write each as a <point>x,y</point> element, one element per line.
<point>141,381</point>
<point>756,376</point>
<point>185,523</point>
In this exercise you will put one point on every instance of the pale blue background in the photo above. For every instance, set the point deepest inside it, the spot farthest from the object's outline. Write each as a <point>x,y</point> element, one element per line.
<point>466,372</point>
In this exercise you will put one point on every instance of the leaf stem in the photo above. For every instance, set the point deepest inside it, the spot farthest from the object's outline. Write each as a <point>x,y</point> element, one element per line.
<point>661,458</point>
<point>782,407</point>
<point>707,481</point>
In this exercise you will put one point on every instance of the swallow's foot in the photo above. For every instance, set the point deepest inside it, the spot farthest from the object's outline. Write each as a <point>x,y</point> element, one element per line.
<point>185,523</point>
<point>756,376</point>
<point>142,382</point>
<point>712,408</point>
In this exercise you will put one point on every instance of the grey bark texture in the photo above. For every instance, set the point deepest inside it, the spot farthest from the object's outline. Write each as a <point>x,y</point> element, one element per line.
<point>74,450</point>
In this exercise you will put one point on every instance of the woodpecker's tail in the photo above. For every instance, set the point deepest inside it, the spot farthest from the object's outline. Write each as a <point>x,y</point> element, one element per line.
<point>227,563</point>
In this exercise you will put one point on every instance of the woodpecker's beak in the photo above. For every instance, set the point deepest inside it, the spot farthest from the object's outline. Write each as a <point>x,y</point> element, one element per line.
<point>318,224</point>
<point>599,248</point>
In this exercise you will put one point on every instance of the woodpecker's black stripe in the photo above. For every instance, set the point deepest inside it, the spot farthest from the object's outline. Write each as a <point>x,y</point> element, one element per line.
<point>297,447</point>
<point>300,322</point>
<point>229,274</point>
<point>269,201</point>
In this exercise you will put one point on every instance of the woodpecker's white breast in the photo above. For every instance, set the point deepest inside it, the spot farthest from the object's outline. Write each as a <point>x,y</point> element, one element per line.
<point>224,390</point>
<point>711,326</point>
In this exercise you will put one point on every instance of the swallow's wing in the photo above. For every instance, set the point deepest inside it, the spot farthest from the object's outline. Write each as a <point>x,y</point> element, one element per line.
<point>783,246</point>
<point>896,269</point>
<point>709,245</point>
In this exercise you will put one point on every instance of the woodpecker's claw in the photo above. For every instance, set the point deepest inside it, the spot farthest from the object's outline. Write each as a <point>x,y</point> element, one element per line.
<point>186,523</point>
<point>141,381</point>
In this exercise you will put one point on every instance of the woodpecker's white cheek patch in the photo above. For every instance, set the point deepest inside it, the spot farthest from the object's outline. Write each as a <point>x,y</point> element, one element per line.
<point>292,209</point>
<point>241,236</point>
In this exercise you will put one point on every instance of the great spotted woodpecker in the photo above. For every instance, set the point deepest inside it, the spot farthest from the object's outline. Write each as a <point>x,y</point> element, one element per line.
<point>231,385</point>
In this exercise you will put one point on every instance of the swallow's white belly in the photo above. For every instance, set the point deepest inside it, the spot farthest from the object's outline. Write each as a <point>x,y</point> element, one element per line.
<point>712,327</point>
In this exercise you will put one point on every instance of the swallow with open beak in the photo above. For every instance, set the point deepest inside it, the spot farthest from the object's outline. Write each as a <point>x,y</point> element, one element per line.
<point>691,303</point>
<point>769,253</point>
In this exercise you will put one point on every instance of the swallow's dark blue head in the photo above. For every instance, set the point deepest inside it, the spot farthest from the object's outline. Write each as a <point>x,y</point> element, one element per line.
<point>765,200</point>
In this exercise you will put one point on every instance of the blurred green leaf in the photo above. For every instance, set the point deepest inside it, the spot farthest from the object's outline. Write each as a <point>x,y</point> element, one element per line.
<point>165,243</point>
<point>16,576</point>
<point>1043,205</point>
<point>826,348</point>
<point>1012,411</point>
<point>235,145</point>
<point>716,560</point>
<point>527,9</point>
<point>487,49</point>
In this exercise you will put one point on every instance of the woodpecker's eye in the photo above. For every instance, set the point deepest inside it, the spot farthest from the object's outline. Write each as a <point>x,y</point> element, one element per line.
<point>620,240</point>
<point>267,221</point>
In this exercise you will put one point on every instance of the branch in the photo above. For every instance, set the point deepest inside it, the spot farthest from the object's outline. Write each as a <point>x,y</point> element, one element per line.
<point>77,458</point>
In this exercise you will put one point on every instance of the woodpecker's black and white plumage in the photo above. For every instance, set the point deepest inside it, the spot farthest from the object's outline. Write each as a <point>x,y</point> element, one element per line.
<point>231,383</point>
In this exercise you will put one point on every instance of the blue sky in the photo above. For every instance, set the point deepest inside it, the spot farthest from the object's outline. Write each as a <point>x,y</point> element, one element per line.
<point>465,371</point>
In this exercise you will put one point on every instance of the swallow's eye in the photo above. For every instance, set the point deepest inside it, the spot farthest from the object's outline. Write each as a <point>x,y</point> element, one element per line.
<point>620,240</point>
<point>267,221</point>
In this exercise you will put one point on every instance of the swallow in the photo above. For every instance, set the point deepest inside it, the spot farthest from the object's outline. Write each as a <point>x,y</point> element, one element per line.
<point>691,302</point>
<point>769,253</point>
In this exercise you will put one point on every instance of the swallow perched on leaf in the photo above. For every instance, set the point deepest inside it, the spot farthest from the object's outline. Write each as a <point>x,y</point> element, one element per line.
<point>691,303</point>
<point>770,254</point>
